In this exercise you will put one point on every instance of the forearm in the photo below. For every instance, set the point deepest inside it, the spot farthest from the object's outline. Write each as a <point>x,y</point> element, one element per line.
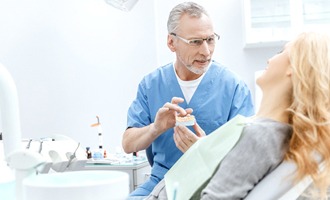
<point>137,139</point>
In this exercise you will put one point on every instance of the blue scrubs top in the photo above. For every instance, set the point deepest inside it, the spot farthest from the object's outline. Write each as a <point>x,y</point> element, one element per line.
<point>220,96</point>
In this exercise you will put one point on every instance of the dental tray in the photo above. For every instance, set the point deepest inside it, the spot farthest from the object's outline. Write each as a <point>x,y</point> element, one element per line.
<point>103,161</point>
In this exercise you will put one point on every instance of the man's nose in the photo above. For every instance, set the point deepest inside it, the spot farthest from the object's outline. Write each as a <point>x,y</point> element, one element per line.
<point>205,49</point>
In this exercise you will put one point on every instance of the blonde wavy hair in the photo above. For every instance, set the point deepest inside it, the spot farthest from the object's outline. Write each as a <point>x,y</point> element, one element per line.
<point>309,56</point>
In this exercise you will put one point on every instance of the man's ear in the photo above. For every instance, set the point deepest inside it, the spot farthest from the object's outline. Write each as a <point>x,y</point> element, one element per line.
<point>170,43</point>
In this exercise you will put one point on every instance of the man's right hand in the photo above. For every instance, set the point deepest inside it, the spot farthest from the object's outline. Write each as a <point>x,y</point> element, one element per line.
<point>136,139</point>
<point>166,115</point>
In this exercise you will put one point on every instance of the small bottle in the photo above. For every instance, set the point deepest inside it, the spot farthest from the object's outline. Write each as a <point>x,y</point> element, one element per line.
<point>97,155</point>
<point>135,157</point>
<point>104,154</point>
<point>88,152</point>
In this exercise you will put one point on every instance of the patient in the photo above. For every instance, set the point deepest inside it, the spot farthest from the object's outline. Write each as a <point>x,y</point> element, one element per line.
<point>293,123</point>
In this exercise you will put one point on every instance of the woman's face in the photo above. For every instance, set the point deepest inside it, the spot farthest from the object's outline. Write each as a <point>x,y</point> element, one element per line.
<point>276,71</point>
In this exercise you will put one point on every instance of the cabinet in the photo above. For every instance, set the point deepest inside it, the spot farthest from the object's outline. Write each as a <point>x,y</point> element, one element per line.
<point>274,22</point>
<point>138,172</point>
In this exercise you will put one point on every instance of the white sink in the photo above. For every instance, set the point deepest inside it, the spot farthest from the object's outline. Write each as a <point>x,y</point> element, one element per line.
<point>77,185</point>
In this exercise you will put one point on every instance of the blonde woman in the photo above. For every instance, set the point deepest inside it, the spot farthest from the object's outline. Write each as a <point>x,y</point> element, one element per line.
<point>309,110</point>
<point>296,91</point>
<point>293,123</point>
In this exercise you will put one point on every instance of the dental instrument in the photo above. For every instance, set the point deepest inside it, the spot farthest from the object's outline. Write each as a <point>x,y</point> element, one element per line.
<point>29,144</point>
<point>99,130</point>
<point>73,156</point>
<point>175,190</point>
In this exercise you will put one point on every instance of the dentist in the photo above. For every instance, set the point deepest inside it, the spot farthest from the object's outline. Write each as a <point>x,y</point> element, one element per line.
<point>202,87</point>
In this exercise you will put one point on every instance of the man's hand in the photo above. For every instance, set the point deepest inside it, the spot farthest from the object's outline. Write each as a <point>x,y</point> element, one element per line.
<point>184,138</point>
<point>166,115</point>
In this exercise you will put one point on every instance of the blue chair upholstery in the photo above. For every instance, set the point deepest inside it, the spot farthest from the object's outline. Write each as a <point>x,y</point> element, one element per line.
<point>150,156</point>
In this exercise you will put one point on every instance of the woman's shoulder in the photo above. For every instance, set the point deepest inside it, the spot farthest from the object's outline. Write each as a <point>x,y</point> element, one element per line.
<point>268,126</point>
<point>268,132</point>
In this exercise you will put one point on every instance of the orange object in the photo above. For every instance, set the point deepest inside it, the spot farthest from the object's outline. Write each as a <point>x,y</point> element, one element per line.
<point>98,122</point>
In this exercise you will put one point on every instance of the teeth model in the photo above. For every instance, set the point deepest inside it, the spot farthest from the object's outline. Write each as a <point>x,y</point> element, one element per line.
<point>188,120</point>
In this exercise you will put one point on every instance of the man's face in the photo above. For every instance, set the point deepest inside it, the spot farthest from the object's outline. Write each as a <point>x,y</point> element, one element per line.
<point>194,58</point>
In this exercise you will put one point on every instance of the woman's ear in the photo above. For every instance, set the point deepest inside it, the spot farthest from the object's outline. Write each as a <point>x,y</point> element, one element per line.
<point>289,71</point>
<point>170,43</point>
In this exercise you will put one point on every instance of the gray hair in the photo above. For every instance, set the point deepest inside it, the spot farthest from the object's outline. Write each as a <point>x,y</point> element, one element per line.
<point>190,8</point>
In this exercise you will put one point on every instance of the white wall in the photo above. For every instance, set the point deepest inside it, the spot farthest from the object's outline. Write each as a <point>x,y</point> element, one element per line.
<point>75,59</point>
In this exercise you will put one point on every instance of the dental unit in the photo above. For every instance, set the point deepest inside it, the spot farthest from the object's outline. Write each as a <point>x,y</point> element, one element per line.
<point>31,165</point>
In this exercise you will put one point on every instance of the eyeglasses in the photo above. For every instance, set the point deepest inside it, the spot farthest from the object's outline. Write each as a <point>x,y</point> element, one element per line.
<point>197,42</point>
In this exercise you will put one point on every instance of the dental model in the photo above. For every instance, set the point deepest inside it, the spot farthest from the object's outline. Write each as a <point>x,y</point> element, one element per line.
<point>188,120</point>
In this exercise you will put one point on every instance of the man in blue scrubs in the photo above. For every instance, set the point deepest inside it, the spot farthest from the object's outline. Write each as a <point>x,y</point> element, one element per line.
<point>192,84</point>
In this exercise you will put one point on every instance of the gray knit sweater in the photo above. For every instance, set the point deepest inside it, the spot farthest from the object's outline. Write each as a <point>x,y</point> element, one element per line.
<point>259,151</point>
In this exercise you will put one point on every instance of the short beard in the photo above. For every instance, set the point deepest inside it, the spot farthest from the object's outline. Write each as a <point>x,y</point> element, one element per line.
<point>196,70</point>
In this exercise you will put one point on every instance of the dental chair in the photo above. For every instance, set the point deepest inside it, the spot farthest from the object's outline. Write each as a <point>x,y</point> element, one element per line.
<point>279,184</point>
<point>149,155</point>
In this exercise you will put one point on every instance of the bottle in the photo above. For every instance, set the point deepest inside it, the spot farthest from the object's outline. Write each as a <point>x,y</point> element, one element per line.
<point>105,154</point>
<point>135,157</point>
<point>97,155</point>
<point>88,152</point>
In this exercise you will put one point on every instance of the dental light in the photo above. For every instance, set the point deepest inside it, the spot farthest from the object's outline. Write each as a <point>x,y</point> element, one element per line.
<point>125,5</point>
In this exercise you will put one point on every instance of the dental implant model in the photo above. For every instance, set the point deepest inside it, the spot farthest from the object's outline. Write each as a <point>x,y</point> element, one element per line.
<point>188,120</point>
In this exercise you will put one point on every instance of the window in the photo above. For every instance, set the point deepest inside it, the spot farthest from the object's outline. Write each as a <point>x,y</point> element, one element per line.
<point>271,23</point>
